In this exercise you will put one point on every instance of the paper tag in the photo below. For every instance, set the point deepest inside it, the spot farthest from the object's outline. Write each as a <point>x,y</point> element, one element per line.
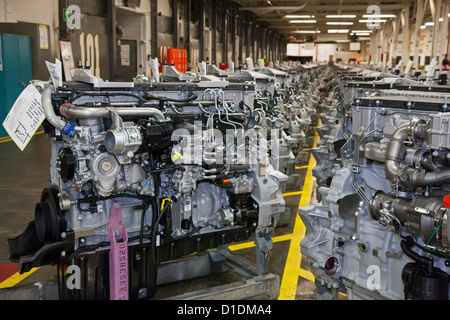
<point>250,64</point>
<point>231,67</point>
<point>25,117</point>
<point>260,63</point>
<point>202,68</point>
<point>55,70</point>
<point>155,68</point>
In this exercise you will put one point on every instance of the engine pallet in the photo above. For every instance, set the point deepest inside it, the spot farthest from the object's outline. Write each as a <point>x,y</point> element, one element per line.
<point>251,286</point>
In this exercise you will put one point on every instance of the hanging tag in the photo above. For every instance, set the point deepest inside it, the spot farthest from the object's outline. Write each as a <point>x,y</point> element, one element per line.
<point>250,64</point>
<point>202,68</point>
<point>155,68</point>
<point>55,70</point>
<point>25,117</point>
<point>231,67</point>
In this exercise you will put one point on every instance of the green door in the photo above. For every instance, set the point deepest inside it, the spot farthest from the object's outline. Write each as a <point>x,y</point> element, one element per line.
<point>15,71</point>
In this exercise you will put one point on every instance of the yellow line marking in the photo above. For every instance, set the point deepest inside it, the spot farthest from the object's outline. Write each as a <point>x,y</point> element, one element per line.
<point>251,244</point>
<point>16,278</point>
<point>287,194</point>
<point>6,139</point>
<point>292,269</point>
<point>302,167</point>
<point>306,274</point>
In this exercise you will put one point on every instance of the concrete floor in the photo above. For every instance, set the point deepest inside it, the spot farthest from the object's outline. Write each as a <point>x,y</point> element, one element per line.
<point>23,175</point>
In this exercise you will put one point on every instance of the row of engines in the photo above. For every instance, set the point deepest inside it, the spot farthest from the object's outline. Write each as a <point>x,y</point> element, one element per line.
<point>147,172</point>
<point>379,227</point>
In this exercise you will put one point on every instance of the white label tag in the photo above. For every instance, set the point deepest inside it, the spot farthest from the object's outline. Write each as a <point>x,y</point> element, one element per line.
<point>202,68</point>
<point>25,117</point>
<point>155,68</point>
<point>55,70</point>
<point>231,67</point>
<point>250,64</point>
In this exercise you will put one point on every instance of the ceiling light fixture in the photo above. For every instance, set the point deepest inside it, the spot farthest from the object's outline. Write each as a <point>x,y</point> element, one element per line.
<point>334,16</point>
<point>379,16</point>
<point>306,31</point>
<point>373,20</point>
<point>340,23</point>
<point>338,30</point>
<point>298,16</point>
<point>303,21</point>
<point>361,31</point>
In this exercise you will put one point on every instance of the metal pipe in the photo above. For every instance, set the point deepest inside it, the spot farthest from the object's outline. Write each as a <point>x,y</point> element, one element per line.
<point>395,150</point>
<point>72,111</point>
<point>49,111</point>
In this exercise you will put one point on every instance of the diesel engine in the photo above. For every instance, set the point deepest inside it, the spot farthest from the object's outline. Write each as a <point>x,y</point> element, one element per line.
<point>379,228</point>
<point>147,172</point>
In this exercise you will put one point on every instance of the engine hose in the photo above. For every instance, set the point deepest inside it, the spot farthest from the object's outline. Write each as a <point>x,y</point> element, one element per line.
<point>406,245</point>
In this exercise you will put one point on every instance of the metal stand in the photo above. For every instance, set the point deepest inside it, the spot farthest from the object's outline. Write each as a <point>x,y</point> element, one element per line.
<point>255,282</point>
<point>252,285</point>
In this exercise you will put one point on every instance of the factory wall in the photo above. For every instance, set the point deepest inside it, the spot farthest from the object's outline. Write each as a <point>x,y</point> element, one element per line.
<point>218,32</point>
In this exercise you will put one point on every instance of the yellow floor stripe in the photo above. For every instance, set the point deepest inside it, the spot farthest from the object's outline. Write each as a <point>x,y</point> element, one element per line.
<point>8,138</point>
<point>16,278</point>
<point>306,274</point>
<point>302,167</point>
<point>251,244</point>
<point>292,269</point>
<point>287,194</point>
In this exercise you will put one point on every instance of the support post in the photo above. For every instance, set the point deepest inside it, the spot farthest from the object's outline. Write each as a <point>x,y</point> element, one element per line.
<point>111,18</point>
<point>213,34</point>
<point>202,32</point>
<point>175,16</point>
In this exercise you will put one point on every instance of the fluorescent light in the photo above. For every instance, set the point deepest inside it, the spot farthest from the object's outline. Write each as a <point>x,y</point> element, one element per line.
<point>303,21</point>
<point>423,27</point>
<point>300,16</point>
<point>429,24</point>
<point>306,31</point>
<point>340,23</point>
<point>333,16</point>
<point>338,30</point>
<point>363,34</point>
<point>379,16</point>
<point>361,31</point>
<point>441,19</point>
<point>373,20</point>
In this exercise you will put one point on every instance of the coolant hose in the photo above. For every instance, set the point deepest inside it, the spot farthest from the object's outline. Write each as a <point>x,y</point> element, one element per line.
<point>406,245</point>
<point>49,111</point>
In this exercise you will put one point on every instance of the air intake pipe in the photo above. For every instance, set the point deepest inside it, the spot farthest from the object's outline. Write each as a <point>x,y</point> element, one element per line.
<point>395,153</point>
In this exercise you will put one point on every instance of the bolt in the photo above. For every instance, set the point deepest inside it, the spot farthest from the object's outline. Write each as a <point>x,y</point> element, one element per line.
<point>117,233</point>
<point>116,205</point>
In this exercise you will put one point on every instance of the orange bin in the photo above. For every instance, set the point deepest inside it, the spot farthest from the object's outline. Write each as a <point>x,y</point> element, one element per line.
<point>177,57</point>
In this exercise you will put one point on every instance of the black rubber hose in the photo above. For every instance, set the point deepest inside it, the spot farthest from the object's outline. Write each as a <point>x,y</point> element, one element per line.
<point>406,244</point>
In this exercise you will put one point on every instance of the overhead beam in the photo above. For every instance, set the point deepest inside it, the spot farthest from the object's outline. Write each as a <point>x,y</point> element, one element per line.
<point>321,8</point>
